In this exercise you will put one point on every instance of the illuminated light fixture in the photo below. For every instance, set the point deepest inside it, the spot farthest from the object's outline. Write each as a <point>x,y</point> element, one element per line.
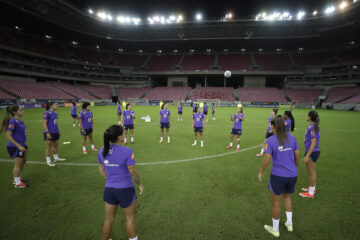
<point>275,16</point>
<point>74,43</point>
<point>109,17</point>
<point>120,50</point>
<point>97,46</point>
<point>90,11</point>
<point>192,50</point>
<point>175,50</point>
<point>140,51</point>
<point>355,1</point>
<point>102,15</point>
<point>330,10</point>
<point>301,49</point>
<point>229,16</point>
<point>315,13</point>
<point>159,51</point>
<point>243,49</point>
<point>278,49</point>
<point>48,36</point>
<point>260,49</point>
<point>343,5</point>
<point>198,17</point>
<point>208,50</point>
<point>300,15</point>
<point>352,43</point>
<point>226,50</point>
<point>17,27</point>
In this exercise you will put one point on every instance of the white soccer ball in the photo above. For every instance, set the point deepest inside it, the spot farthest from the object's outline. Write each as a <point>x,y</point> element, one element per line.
<point>227,74</point>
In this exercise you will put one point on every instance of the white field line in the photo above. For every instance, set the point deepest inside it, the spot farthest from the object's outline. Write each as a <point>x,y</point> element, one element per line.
<point>142,164</point>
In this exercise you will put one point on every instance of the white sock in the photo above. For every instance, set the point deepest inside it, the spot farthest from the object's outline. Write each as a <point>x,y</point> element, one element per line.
<point>238,146</point>
<point>84,148</point>
<point>135,238</point>
<point>312,190</point>
<point>276,224</point>
<point>161,138</point>
<point>17,180</point>
<point>231,144</point>
<point>48,159</point>
<point>124,140</point>
<point>132,139</point>
<point>56,156</point>
<point>289,218</point>
<point>168,138</point>
<point>202,143</point>
<point>92,146</point>
<point>195,142</point>
<point>73,124</point>
<point>262,151</point>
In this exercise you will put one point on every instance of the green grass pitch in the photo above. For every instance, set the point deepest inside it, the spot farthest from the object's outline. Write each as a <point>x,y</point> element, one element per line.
<point>210,198</point>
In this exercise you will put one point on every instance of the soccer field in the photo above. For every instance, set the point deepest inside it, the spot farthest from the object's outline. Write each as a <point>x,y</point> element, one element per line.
<point>212,194</point>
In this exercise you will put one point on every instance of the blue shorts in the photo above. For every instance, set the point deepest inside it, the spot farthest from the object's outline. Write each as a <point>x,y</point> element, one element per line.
<point>213,112</point>
<point>179,112</point>
<point>127,127</point>
<point>120,196</point>
<point>314,156</point>
<point>74,116</point>
<point>14,152</point>
<point>205,113</point>
<point>236,131</point>
<point>87,132</point>
<point>279,185</point>
<point>269,134</point>
<point>54,137</point>
<point>164,125</point>
<point>198,129</point>
<point>119,113</point>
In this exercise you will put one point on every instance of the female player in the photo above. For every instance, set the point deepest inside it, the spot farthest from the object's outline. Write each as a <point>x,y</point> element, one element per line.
<point>237,128</point>
<point>117,166</point>
<point>51,133</point>
<point>16,147</point>
<point>87,126</point>
<point>284,150</point>
<point>205,110</point>
<point>312,149</point>
<point>164,120</point>
<point>213,111</point>
<point>268,130</point>
<point>128,122</point>
<point>180,112</point>
<point>289,119</point>
<point>74,114</point>
<point>198,125</point>
<point>118,110</point>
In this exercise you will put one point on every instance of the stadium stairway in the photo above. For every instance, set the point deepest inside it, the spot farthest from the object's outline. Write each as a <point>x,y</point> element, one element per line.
<point>91,94</point>
<point>189,94</point>
<point>9,93</point>
<point>144,65</point>
<point>216,62</point>
<point>146,93</point>
<point>59,89</point>
<point>178,66</point>
<point>285,95</point>
<point>253,62</point>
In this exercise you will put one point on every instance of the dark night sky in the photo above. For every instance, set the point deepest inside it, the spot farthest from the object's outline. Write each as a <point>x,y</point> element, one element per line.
<point>210,9</point>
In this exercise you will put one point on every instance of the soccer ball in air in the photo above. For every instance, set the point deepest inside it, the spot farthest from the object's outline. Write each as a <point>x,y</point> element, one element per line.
<point>227,74</point>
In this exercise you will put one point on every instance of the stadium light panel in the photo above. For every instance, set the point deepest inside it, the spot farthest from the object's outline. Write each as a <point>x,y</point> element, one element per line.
<point>243,49</point>
<point>198,17</point>
<point>90,11</point>
<point>175,50</point>
<point>74,43</point>
<point>315,13</point>
<point>159,51</point>
<point>192,50</point>
<point>140,51</point>
<point>48,36</point>
<point>97,47</point>
<point>226,50</point>
<point>330,10</point>
<point>343,5</point>
<point>102,15</point>
<point>260,49</point>
<point>120,50</point>
<point>300,15</point>
<point>301,49</point>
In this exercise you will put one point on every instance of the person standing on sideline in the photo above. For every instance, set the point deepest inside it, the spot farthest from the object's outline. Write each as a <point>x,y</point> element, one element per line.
<point>164,121</point>
<point>117,165</point>
<point>312,149</point>
<point>237,118</point>
<point>16,147</point>
<point>51,133</point>
<point>283,148</point>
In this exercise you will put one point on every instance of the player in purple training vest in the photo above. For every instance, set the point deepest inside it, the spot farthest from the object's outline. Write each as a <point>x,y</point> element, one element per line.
<point>117,166</point>
<point>289,119</point>
<point>164,121</point>
<point>16,147</point>
<point>268,131</point>
<point>205,111</point>
<point>87,126</point>
<point>213,111</point>
<point>312,152</point>
<point>198,125</point>
<point>74,114</point>
<point>51,133</point>
<point>284,150</point>
<point>128,122</point>
<point>237,118</point>
<point>118,111</point>
<point>180,112</point>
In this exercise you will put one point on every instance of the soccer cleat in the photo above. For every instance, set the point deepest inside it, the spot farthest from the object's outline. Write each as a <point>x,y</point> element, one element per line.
<point>21,185</point>
<point>22,180</point>
<point>259,154</point>
<point>306,195</point>
<point>307,189</point>
<point>229,147</point>
<point>60,159</point>
<point>125,142</point>
<point>271,230</point>
<point>84,152</point>
<point>132,142</point>
<point>50,164</point>
<point>237,149</point>
<point>73,125</point>
<point>160,141</point>
<point>194,144</point>
<point>289,227</point>
<point>94,149</point>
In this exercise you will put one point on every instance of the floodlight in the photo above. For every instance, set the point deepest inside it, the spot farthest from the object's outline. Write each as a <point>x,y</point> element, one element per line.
<point>90,11</point>
<point>198,16</point>
<point>330,10</point>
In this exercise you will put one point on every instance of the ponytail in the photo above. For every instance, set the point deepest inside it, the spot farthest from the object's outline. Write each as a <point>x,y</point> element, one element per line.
<point>111,135</point>
<point>289,115</point>
<point>314,117</point>
<point>49,105</point>
<point>280,130</point>
<point>9,110</point>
